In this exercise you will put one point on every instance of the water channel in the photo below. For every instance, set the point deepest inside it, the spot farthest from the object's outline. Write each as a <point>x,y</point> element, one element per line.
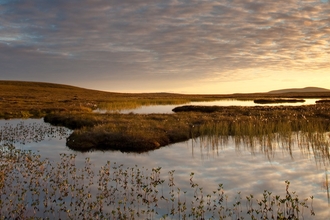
<point>238,167</point>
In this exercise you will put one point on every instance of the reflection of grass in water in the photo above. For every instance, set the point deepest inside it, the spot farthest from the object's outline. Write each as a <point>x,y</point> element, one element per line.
<point>309,135</point>
<point>325,184</point>
<point>34,188</point>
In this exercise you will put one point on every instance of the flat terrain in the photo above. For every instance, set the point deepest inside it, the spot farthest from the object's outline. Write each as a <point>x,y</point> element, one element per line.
<point>72,107</point>
<point>35,99</point>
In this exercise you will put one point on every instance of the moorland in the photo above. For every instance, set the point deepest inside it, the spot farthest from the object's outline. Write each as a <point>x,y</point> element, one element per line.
<point>57,190</point>
<point>19,99</point>
<point>73,107</point>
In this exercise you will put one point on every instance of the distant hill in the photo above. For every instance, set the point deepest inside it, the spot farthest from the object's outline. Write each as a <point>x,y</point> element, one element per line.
<point>306,89</point>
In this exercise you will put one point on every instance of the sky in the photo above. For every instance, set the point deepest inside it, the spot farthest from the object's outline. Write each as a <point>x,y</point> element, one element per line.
<point>181,46</point>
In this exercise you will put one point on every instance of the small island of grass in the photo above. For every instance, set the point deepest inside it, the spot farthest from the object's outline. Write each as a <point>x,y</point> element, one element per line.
<point>277,101</point>
<point>323,101</point>
<point>145,132</point>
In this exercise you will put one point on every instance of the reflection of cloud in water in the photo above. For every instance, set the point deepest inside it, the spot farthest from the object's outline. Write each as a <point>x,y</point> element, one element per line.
<point>238,170</point>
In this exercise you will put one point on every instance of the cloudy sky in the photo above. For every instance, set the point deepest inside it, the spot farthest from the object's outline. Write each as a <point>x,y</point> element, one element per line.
<point>184,46</point>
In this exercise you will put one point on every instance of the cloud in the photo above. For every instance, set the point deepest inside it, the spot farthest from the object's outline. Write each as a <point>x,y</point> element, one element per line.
<point>156,38</point>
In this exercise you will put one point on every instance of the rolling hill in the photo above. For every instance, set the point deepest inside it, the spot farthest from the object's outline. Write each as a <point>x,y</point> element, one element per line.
<point>294,90</point>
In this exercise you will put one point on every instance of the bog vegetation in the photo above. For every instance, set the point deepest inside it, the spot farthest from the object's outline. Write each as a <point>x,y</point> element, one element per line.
<point>143,132</point>
<point>34,188</point>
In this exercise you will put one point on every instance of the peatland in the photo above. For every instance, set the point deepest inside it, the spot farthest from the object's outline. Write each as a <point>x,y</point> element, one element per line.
<point>63,190</point>
<point>19,99</point>
<point>73,107</point>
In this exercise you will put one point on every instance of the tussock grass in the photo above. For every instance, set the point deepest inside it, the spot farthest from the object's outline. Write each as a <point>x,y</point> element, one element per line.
<point>123,132</point>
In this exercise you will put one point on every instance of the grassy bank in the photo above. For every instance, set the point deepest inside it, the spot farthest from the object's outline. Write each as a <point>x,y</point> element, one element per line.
<point>139,132</point>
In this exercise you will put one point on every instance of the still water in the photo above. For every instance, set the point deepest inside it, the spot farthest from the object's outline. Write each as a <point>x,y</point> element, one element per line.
<point>168,108</point>
<point>239,168</point>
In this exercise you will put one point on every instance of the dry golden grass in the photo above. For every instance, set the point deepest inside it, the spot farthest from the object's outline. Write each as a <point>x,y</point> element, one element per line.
<point>34,99</point>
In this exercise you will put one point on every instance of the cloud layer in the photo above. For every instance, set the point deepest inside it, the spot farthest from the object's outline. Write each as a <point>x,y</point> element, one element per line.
<point>158,40</point>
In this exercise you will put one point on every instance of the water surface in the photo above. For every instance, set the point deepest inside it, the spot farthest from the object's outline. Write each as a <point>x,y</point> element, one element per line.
<point>165,109</point>
<point>239,168</point>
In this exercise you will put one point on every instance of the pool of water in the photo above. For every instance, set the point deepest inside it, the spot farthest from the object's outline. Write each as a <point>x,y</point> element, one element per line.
<point>165,109</point>
<point>238,168</point>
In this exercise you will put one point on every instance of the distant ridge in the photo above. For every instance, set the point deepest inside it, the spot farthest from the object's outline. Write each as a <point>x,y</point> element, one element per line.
<point>306,89</point>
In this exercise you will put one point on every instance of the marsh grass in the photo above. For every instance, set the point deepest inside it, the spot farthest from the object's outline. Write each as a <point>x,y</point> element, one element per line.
<point>123,132</point>
<point>141,132</point>
<point>32,188</point>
